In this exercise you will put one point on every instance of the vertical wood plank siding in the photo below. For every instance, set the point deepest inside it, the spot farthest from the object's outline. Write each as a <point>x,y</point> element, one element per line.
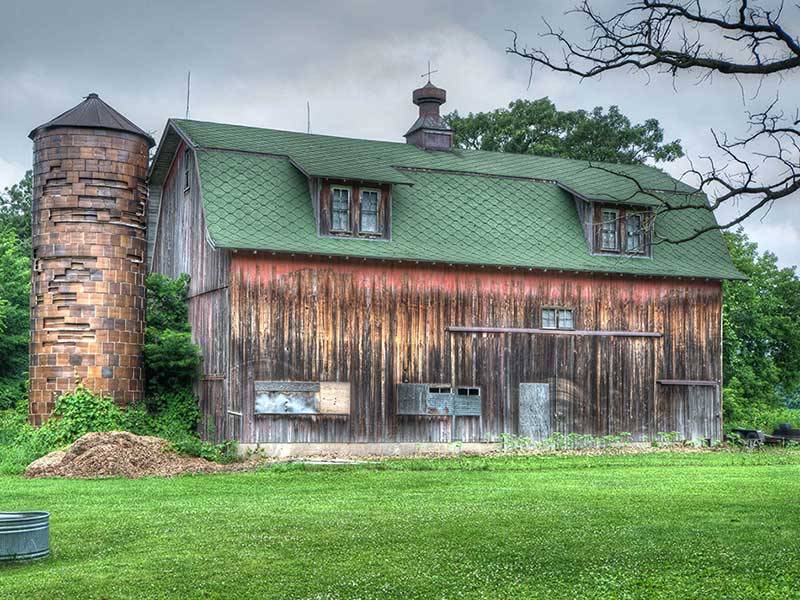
<point>181,247</point>
<point>378,324</point>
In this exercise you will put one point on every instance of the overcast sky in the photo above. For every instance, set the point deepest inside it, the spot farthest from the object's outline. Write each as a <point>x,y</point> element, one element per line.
<point>356,62</point>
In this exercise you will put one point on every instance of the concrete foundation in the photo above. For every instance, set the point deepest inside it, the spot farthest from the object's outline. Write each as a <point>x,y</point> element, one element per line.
<point>310,450</point>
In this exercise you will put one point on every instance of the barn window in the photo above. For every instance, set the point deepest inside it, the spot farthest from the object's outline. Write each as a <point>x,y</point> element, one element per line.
<point>186,169</point>
<point>609,236</point>
<point>369,211</point>
<point>557,318</point>
<point>634,233</point>
<point>340,209</point>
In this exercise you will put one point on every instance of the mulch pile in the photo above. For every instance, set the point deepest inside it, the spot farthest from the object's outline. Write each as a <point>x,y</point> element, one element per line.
<point>118,454</point>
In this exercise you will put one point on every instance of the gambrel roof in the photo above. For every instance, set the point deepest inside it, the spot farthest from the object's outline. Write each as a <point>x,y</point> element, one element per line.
<point>456,206</point>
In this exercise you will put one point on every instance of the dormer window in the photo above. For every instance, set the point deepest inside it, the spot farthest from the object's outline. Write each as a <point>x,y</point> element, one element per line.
<point>369,211</point>
<point>609,230</point>
<point>621,230</point>
<point>353,209</point>
<point>340,209</point>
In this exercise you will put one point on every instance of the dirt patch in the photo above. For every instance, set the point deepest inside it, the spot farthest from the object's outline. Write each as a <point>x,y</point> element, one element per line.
<point>118,454</point>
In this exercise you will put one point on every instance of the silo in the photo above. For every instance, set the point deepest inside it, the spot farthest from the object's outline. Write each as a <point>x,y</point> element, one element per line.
<point>89,243</point>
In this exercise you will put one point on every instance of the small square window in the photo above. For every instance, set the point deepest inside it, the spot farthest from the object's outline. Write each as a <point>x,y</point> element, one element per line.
<point>557,318</point>
<point>609,230</point>
<point>340,209</point>
<point>369,211</point>
<point>565,318</point>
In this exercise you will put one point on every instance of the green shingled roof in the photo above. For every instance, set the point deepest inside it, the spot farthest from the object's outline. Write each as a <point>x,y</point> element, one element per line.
<point>466,207</point>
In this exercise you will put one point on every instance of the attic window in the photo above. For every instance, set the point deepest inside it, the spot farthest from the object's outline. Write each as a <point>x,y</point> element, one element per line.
<point>634,233</point>
<point>340,209</point>
<point>557,318</point>
<point>186,169</point>
<point>609,235</point>
<point>369,211</point>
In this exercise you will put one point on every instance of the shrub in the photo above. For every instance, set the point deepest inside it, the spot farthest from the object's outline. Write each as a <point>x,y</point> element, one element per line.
<point>171,359</point>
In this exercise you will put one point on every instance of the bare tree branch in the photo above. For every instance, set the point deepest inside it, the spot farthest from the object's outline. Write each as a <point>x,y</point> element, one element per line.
<point>746,39</point>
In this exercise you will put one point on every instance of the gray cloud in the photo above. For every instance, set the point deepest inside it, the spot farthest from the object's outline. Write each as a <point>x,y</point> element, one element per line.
<point>356,62</point>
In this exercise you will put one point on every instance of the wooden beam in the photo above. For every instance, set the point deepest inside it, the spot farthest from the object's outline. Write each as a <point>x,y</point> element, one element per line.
<point>573,332</point>
<point>687,382</point>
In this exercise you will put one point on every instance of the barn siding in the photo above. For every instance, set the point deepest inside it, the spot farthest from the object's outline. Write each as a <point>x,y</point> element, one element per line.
<point>379,324</point>
<point>180,247</point>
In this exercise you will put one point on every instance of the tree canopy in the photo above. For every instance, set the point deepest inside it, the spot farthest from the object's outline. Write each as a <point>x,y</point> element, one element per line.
<point>15,208</point>
<point>761,330</point>
<point>538,127</point>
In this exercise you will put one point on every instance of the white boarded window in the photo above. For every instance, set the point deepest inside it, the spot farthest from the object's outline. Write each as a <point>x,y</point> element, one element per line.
<point>369,211</point>
<point>609,231</point>
<point>634,233</point>
<point>340,209</point>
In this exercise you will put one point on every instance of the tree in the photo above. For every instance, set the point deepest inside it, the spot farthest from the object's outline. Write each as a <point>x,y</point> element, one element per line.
<point>744,40</point>
<point>14,315</point>
<point>537,127</point>
<point>15,208</point>
<point>761,328</point>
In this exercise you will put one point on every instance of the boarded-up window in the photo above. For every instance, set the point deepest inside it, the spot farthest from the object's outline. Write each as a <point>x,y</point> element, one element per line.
<point>369,211</point>
<point>302,397</point>
<point>609,236</point>
<point>634,233</point>
<point>340,209</point>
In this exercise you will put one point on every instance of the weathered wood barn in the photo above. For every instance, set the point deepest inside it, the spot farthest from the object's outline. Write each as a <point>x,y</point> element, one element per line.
<point>347,290</point>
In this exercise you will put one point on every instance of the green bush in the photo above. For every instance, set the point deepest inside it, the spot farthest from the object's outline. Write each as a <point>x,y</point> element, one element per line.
<point>171,359</point>
<point>741,412</point>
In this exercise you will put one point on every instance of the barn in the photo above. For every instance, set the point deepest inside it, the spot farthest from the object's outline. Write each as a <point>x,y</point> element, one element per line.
<point>351,291</point>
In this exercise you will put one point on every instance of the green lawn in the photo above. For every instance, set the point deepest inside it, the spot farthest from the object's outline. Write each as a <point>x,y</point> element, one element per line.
<point>721,525</point>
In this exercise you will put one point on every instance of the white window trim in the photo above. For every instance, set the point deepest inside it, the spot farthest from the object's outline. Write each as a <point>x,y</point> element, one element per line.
<point>349,191</point>
<point>603,222</point>
<point>378,223</point>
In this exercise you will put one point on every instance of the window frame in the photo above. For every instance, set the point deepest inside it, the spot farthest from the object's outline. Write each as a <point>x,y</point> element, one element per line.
<point>187,170</point>
<point>641,235</point>
<point>557,314</point>
<point>603,222</point>
<point>378,225</point>
<point>349,191</point>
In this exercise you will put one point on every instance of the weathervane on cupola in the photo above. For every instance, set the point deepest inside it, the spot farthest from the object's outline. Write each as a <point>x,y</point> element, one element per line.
<point>430,131</point>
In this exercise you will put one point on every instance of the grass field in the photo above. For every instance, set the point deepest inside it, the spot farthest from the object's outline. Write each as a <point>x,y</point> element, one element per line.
<point>664,525</point>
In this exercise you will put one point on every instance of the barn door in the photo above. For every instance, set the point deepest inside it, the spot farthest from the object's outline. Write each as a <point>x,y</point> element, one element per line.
<point>534,410</point>
<point>701,413</point>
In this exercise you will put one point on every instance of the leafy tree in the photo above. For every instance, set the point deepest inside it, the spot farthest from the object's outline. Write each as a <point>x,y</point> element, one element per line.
<point>761,330</point>
<point>538,127</point>
<point>14,315</point>
<point>15,208</point>
<point>171,359</point>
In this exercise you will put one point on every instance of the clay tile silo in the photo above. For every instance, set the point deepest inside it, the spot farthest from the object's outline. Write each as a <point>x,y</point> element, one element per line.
<point>87,288</point>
